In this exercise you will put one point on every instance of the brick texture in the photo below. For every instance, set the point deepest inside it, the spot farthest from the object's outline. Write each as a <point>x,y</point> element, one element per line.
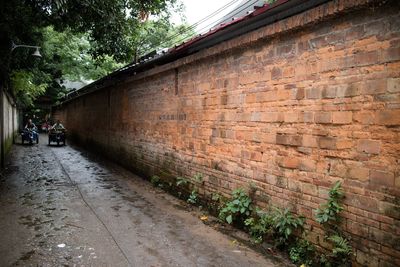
<point>292,112</point>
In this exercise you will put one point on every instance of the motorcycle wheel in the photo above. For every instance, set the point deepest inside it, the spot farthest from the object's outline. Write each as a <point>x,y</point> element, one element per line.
<point>58,143</point>
<point>37,140</point>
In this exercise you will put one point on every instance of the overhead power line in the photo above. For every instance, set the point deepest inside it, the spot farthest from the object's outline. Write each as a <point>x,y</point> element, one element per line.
<point>209,25</point>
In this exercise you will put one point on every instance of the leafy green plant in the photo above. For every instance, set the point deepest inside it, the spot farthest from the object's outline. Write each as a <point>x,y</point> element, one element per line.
<point>155,180</point>
<point>328,212</point>
<point>180,181</point>
<point>328,216</point>
<point>198,178</point>
<point>216,197</point>
<point>238,208</point>
<point>193,197</point>
<point>285,225</point>
<point>303,252</point>
<point>341,250</point>
<point>259,226</point>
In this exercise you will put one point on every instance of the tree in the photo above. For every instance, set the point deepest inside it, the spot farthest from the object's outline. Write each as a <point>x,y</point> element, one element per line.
<point>108,24</point>
<point>158,34</point>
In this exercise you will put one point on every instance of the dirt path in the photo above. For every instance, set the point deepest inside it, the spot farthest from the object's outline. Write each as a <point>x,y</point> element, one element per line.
<point>61,206</point>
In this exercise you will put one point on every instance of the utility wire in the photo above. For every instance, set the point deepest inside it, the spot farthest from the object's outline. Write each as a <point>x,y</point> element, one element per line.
<point>233,15</point>
<point>193,26</point>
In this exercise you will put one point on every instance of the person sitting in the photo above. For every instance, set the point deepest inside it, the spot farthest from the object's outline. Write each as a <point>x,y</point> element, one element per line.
<point>30,126</point>
<point>58,126</point>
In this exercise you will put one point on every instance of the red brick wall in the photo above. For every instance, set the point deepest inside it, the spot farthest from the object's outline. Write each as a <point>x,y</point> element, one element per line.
<point>292,107</point>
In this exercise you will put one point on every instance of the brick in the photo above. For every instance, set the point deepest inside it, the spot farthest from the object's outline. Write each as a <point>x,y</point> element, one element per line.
<point>393,85</point>
<point>271,117</point>
<point>366,259</point>
<point>382,178</point>
<point>307,165</point>
<point>355,33</point>
<point>366,58</point>
<point>338,169</point>
<point>309,189</point>
<point>300,93</point>
<point>369,146</point>
<point>372,87</point>
<point>364,117</point>
<point>276,73</point>
<point>329,92</point>
<point>383,237</point>
<point>313,93</point>
<point>327,142</point>
<point>388,117</point>
<point>344,143</point>
<point>342,117</point>
<point>290,140</point>
<point>349,90</point>
<point>290,163</point>
<point>323,117</point>
<point>357,228</point>
<point>290,117</point>
<point>358,173</point>
<point>309,141</point>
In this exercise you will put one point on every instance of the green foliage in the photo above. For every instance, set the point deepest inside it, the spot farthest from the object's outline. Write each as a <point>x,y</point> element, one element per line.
<point>79,40</point>
<point>155,180</point>
<point>26,88</point>
<point>193,197</point>
<point>69,53</point>
<point>328,216</point>
<point>303,252</point>
<point>216,197</point>
<point>328,212</point>
<point>259,226</point>
<point>181,181</point>
<point>198,178</point>
<point>158,34</point>
<point>238,208</point>
<point>285,225</point>
<point>341,247</point>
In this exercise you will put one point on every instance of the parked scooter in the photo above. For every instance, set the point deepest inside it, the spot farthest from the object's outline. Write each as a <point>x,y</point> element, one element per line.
<point>30,136</point>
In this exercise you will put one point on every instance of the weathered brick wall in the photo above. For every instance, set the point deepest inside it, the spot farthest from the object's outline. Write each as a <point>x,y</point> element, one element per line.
<point>292,107</point>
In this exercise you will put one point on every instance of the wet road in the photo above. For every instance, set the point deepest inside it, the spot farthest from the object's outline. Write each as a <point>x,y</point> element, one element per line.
<point>61,206</point>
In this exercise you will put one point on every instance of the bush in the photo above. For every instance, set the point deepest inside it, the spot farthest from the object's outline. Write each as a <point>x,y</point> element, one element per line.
<point>237,209</point>
<point>259,226</point>
<point>285,225</point>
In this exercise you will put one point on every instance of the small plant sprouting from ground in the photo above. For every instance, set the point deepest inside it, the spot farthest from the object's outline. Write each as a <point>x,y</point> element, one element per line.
<point>155,180</point>
<point>328,216</point>
<point>180,181</point>
<point>238,208</point>
<point>198,178</point>
<point>285,225</point>
<point>259,226</point>
<point>303,252</point>
<point>193,197</point>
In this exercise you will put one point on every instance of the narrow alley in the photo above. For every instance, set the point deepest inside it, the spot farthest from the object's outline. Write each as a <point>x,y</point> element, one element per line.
<point>62,206</point>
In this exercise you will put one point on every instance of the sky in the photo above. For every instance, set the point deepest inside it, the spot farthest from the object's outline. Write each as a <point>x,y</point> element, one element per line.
<point>196,10</point>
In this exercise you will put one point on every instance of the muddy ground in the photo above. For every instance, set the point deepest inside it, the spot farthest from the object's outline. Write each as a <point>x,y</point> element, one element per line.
<point>62,206</point>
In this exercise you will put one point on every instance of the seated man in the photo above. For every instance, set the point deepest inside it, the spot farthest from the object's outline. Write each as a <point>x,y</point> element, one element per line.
<point>58,126</point>
<point>30,126</point>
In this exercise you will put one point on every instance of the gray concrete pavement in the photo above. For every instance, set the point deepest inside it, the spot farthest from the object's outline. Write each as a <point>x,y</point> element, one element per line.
<point>61,206</point>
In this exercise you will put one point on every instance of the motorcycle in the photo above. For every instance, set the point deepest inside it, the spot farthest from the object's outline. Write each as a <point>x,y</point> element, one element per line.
<point>57,136</point>
<point>30,136</point>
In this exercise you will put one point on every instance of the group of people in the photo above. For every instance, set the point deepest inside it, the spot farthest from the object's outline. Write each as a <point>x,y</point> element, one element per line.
<point>30,128</point>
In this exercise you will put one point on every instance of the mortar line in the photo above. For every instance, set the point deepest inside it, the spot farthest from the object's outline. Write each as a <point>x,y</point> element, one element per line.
<point>90,207</point>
